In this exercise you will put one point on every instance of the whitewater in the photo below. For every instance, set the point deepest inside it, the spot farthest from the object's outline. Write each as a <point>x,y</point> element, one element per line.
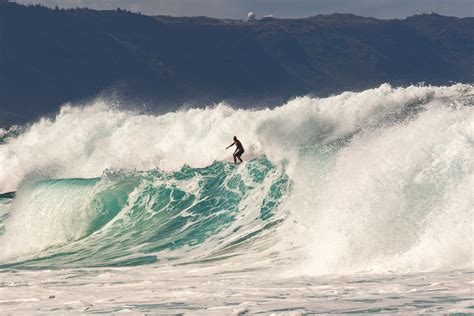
<point>359,202</point>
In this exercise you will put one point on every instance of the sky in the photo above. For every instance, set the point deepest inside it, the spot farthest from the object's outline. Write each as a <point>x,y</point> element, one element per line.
<point>237,9</point>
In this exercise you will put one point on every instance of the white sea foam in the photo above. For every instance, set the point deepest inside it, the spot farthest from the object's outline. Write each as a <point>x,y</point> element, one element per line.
<point>374,187</point>
<point>85,141</point>
<point>202,290</point>
<point>396,198</point>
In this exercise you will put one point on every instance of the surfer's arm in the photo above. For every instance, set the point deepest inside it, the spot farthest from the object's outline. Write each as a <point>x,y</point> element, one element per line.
<point>230,145</point>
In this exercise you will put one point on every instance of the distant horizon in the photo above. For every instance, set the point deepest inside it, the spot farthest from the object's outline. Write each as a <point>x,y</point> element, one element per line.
<point>284,9</point>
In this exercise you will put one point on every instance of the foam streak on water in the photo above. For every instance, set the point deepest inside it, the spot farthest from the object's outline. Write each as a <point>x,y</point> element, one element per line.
<point>199,291</point>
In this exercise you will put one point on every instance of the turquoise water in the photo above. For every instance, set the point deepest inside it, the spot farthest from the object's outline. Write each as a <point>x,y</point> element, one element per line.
<point>356,203</point>
<point>135,218</point>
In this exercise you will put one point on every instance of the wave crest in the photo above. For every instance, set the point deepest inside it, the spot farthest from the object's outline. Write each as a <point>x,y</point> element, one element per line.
<point>380,180</point>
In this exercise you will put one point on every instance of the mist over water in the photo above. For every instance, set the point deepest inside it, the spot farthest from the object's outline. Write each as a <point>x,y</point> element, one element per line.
<point>379,180</point>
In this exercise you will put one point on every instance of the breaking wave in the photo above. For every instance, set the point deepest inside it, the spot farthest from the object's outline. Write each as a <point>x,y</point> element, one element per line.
<point>371,181</point>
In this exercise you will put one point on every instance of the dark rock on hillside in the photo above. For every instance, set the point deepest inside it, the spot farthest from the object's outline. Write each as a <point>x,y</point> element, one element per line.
<point>48,57</point>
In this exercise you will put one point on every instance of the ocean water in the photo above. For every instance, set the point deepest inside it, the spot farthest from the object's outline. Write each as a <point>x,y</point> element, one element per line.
<point>356,203</point>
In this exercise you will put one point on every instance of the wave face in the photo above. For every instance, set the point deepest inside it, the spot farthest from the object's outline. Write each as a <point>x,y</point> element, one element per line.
<point>371,181</point>
<point>125,219</point>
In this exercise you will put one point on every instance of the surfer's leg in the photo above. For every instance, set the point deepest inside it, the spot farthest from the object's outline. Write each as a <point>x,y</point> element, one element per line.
<point>239,153</point>
<point>235,160</point>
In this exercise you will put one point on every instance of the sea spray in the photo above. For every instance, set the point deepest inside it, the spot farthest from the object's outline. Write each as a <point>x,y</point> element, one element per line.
<point>388,194</point>
<point>82,142</point>
<point>371,181</point>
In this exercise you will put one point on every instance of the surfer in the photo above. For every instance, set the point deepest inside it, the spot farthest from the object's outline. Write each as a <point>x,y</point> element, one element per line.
<point>238,151</point>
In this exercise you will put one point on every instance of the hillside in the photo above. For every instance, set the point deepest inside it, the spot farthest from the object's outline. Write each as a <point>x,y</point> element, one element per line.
<point>48,57</point>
